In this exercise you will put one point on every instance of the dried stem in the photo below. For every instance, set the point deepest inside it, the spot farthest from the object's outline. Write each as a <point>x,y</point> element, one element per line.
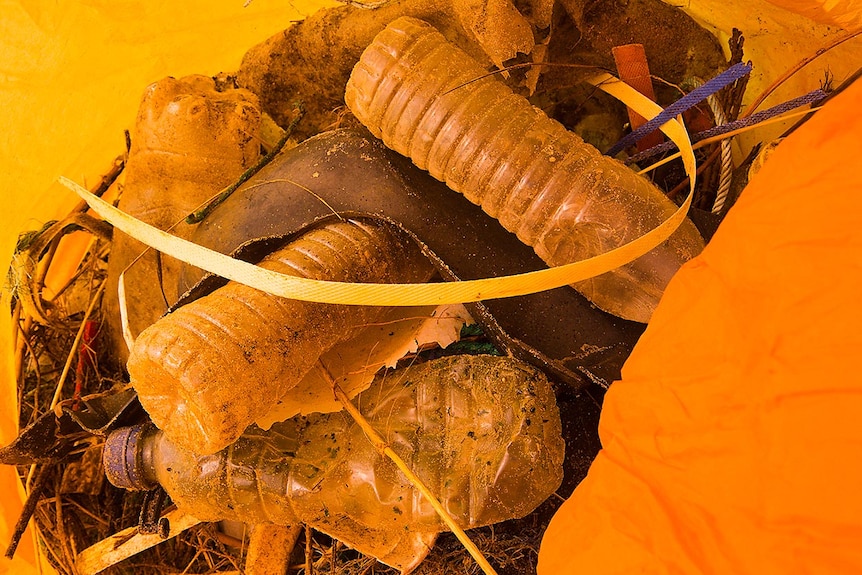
<point>31,266</point>
<point>309,567</point>
<point>384,449</point>
<point>78,336</point>
<point>64,538</point>
<point>62,289</point>
<point>127,543</point>
<point>37,371</point>
<point>706,163</point>
<point>21,339</point>
<point>795,68</point>
<point>29,507</point>
<point>16,329</point>
<point>42,267</point>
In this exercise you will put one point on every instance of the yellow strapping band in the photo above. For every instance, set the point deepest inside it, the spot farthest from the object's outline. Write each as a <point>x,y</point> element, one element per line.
<point>424,293</point>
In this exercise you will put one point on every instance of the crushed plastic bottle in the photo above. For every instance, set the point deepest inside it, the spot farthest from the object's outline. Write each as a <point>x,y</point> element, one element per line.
<point>430,101</point>
<point>191,139</point>
<point>208,370</point>
<point>482,432</point>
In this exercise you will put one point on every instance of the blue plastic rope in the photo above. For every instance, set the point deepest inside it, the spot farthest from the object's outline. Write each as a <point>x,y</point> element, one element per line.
<point>690,100</point>
<point>809,98</point>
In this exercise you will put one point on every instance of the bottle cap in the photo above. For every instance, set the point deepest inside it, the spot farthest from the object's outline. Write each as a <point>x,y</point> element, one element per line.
<point>122,458</point>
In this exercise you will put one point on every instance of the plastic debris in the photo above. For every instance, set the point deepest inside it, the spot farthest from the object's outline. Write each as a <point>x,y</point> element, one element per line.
<point>483,432</point>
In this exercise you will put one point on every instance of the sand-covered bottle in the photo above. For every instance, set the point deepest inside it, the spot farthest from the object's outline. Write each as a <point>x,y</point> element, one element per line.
<point>427,99</point>
<point>208,370</point>
<point>482,432</point>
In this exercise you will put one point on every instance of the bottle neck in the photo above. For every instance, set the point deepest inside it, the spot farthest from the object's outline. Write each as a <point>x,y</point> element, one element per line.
<point>146,455</point>
<point>128,457</point>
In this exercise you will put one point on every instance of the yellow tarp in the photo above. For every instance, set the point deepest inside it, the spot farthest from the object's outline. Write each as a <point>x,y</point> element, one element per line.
<point>71,77</point>
<point>72,73</point>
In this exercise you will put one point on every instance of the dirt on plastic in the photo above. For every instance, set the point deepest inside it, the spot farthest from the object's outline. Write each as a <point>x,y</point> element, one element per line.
<point>287,67</point>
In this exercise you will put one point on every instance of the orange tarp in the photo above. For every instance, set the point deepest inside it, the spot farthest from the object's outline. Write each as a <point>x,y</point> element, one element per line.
<point>733,442</point>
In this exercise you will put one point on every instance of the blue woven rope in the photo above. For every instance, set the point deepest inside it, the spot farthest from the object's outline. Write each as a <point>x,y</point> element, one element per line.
<point>756,118</point>
<point>690,100</point>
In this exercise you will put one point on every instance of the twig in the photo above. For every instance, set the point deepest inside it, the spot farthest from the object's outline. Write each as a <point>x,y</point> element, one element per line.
<point>731,96</point>
<point>73,352</point>
<point>106,181</point>
<point>309,566</point>
<point>33,497</point>
<point>384,449</point>
<point>199,215</point>
<point>362,4</point>
<point>128,542</point>
<point>795,68</point>
<point>505,69</point>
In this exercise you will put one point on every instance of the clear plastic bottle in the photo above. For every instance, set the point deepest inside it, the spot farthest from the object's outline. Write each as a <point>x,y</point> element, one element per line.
<point>208,370</point>
<point>427,99</point>
<point>482,432</point>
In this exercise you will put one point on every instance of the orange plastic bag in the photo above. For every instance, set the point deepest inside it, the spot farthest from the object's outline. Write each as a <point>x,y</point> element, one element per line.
<point>732,443</point>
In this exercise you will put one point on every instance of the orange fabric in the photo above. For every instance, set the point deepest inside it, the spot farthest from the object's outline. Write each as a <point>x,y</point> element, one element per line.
<point>733,442</point>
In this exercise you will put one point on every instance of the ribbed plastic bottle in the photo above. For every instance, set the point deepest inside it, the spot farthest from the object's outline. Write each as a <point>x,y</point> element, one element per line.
<point>482,432</point>
<point>430,101</point>
<point>208,370</point>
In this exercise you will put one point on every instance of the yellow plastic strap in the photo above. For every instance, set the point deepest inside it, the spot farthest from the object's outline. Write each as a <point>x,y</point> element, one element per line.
<point>425,293</point>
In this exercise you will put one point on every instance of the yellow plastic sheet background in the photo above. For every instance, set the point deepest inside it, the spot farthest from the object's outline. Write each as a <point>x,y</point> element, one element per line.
<point>71,75</point>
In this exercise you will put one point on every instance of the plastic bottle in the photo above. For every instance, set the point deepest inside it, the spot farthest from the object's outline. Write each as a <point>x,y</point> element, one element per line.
<point>482,432</point>
<point>208,370</point>
<point>191,140</point>
<point>427,99</point>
